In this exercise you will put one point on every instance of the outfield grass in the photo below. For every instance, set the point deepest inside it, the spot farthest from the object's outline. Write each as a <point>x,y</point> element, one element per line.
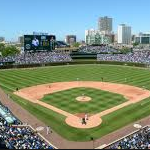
<point>101,100</point>
<point>10,79</point>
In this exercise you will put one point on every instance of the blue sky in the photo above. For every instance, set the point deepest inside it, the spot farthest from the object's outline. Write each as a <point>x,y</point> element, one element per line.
<point>62,17</point>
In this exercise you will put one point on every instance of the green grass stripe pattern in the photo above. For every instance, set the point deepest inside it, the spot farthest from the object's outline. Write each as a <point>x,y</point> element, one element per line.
<point>101,100</point>
<point>21,78</point>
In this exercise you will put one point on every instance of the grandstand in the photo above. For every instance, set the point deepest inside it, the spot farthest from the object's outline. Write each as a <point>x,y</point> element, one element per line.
<point>137,140</point>
<point>135,57</point>
<point>97,49</point>
<point>36,58</point>
<point>15,135</point>
<point>99,53</point>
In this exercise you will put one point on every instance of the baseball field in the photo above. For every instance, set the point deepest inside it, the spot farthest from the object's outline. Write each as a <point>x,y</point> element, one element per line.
<point>51,94</point>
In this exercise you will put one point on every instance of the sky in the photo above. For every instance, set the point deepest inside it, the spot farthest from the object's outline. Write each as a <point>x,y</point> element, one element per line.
<point>62,17</point>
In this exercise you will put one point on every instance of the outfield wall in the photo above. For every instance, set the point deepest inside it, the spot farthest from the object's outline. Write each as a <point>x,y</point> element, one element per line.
<point>72,63</point>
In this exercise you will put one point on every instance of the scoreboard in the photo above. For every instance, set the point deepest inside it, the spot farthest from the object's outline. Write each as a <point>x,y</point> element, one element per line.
<point>39,42</point>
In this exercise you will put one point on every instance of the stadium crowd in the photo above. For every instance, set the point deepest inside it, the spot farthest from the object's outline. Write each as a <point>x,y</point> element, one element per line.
<point>97,49</point>
<point>138,140</point>
<point>37,58</point>
<point>136,57</point>
<point>7,59</point>
<point>17,136</point>
<point>104,53</point>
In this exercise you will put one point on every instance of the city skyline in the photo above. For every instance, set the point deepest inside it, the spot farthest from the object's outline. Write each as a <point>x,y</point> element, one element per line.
<point>63,18</point>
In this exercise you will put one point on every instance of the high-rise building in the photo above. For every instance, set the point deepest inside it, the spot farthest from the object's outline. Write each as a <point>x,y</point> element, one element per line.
<point>124,34</point>
<point>105,25</point>
<point>142,38</point>
<point>70,39</point>
<point>112,36</point>
<point>116,38</point>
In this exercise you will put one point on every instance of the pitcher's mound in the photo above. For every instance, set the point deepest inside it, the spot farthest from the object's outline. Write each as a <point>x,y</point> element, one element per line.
<point>83,98</point>
<point>76,122</point>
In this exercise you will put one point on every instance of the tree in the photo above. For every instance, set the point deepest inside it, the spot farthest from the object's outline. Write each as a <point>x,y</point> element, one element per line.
<point>126,50</point>
<point>10,51</point>
<point>135,44</point>
<point>76,44</point>
<point>2,47</point>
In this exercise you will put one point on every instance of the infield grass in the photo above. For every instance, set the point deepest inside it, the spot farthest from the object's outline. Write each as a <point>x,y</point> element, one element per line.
<point>101,100</point>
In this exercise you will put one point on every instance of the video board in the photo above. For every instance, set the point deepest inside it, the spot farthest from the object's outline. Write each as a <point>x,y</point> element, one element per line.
<point>39,42</point>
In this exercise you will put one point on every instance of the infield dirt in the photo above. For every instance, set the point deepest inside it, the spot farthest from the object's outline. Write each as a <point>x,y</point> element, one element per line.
<point>131,93</point>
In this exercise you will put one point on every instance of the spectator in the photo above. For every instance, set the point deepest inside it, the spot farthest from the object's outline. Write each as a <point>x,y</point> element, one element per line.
<point>138,140</point>
<point>135,57</point>
<point>37,58</point>
<point>97,49</point>
<point>19,136</point>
